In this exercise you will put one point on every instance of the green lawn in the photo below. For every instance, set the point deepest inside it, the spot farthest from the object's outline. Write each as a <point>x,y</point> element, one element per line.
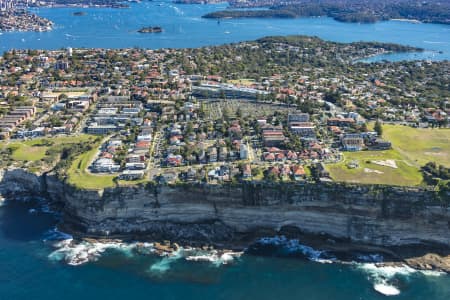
<point>80,177</point>
<point>34,150</point>
<point>243,81</point>
<point>420,145</point>
<point>412,148</point>
<point>405,174</point>
<point>21,151</point>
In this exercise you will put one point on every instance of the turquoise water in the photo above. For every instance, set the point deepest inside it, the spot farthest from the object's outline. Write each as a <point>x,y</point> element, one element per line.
<point>27,272</point>
<point>184,27</point>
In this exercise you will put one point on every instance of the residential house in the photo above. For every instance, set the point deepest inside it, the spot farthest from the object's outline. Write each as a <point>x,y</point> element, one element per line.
<point>212,154</point>
<point>352,142</point>
<point>298,172</point>
<point>247,171</point>
<point>273,136</point>
<point>174,160</point>
<point>243,151</point>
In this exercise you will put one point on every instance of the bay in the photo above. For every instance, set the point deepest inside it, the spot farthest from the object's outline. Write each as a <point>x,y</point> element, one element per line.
<point>184,27</point>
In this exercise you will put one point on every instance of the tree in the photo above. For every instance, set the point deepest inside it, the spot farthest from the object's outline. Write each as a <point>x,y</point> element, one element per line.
<point>378,128</point>
<point>332,97</point>
<point>364,127</point>
<point>28,124</point>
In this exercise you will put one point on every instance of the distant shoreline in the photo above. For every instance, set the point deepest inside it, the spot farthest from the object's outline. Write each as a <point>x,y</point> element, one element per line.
<point>414,21</point>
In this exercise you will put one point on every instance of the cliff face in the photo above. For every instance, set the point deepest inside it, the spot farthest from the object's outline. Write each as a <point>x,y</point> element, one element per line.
<point>386,216</point>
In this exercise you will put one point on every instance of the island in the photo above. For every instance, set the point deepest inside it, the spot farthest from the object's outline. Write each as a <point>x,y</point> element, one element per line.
<point>155,29</point>
<point>79,13</point>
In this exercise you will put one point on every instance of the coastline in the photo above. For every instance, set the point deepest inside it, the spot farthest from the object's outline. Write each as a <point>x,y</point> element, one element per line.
<point>413,21</point>
<point>331,250</point>
<point>186,221</point>
<point>12,21</point>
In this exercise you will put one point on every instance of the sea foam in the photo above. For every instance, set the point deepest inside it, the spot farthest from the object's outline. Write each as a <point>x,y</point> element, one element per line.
<point>80,252</point>
<point>385,289</point>
<point>77,253</point>
<point>292,246</point>
<point>382,276</point>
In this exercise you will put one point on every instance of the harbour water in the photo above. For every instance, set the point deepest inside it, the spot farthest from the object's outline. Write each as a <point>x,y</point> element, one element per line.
<point>184,27</point>
<point>32,268</point>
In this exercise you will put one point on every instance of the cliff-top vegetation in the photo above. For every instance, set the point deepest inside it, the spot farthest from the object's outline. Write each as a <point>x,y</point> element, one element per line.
<point>355,11</point>
<point>39,154</point>
<point>79,175</point>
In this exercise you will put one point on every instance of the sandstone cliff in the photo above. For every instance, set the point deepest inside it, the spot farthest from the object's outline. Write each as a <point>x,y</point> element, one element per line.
<point>373,215</point>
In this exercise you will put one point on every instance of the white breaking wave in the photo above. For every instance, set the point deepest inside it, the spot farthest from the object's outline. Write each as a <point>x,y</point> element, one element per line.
<point>77,253</point>
<point>382,275</point>
<point>385,289</point>
<point>213,256</point>
<point>293,245</point>
<point>74,253</point>
<point>432,273</point>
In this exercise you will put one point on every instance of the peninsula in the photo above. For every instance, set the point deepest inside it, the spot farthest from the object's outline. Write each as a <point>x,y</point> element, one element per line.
<point>21,20</point>
<point>82,3</point>
<point>227,144</point>
<point>365,11</point>
<point>14,15</point>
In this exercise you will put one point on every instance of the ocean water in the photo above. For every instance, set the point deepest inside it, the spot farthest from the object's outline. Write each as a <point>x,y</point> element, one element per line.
<point>32,268</point>
<point>184,27</point>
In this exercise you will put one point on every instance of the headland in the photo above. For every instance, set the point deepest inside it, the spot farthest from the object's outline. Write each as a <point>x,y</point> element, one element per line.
<point>406,225</point>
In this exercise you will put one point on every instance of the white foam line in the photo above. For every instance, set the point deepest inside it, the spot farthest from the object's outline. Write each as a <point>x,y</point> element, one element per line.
<point>380,275</point>
<point>385,289</point>
<point>77,253</point>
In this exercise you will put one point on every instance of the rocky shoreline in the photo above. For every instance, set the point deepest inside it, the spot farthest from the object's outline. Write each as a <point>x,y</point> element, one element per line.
<point>418,257</point>
<point>406,226</point>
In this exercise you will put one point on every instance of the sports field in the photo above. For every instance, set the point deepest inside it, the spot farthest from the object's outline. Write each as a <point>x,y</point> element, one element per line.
<point>412,148</point>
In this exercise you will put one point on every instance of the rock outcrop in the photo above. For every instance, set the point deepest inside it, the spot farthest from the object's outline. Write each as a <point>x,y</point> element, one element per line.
<point>373,215</point>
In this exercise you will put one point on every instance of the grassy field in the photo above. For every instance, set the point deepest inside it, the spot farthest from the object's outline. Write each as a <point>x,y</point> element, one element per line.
<point>34,150</point>
<point>412,148</point>
<point>420,145</point>
<point>80,177</point>
<point>243,81</point>
<point>369,172</point>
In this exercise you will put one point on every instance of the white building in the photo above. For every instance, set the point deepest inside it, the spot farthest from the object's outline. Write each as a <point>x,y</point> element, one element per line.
<point>243,151</point>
